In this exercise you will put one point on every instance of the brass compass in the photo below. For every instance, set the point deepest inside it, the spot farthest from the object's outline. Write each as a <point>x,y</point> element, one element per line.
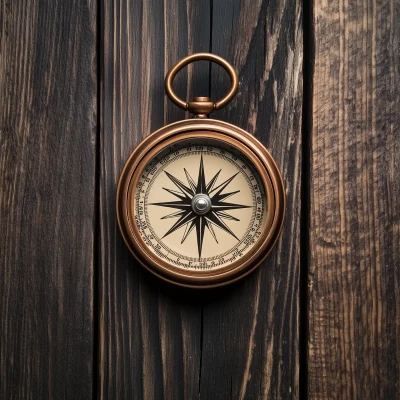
<point>200,202</point>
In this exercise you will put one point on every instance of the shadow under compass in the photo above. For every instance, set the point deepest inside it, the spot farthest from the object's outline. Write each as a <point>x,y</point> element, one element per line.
<point>186,295</point>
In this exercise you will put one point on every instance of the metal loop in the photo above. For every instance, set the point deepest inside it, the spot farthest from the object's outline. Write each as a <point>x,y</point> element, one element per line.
<point>196,57</point>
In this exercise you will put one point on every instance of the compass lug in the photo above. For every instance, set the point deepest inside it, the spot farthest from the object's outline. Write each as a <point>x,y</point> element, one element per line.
<point>201,107</point>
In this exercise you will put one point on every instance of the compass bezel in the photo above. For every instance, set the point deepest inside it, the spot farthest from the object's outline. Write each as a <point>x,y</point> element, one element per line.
<point>231,135</point>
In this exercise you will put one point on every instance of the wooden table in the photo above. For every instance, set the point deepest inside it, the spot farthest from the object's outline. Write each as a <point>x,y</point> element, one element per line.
<point>81,83</point>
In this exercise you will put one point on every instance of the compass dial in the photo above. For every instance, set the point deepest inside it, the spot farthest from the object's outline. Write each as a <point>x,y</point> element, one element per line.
<point>200,204</point>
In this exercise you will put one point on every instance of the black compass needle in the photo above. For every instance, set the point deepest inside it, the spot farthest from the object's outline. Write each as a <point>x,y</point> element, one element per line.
<point>200,225</point>
<point>188,229</point>
<point>179,195</point>
<point>222,186</point>
<point>222,214</point>
<point>183,220</point>
<point>173,215</point>
<point>210,184</point>
<point>188,218</point>
<point>201,181</point>
<point>173,204</point>
<point>185,190</point>
<point>221,224</point>
<point>190,180</point>
<point>209,226</point>
<point>220,206</point>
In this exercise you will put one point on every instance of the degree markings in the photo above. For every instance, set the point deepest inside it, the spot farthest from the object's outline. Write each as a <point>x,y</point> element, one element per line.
<point>159,164</point>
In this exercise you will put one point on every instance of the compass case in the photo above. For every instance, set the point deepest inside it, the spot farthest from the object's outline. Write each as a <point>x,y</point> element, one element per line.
<point>150,249</point>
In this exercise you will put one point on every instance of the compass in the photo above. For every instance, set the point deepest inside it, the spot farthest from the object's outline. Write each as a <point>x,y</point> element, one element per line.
<point>200,203</point>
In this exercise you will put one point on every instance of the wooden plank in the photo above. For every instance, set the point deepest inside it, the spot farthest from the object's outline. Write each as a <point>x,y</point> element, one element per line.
<point>47,180</point>
<point>250,330</point>
<point>354,279</point>
<point>149,332</point>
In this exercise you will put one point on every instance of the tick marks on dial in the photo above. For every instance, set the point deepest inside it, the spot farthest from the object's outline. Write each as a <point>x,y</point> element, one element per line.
<point>189,203</point>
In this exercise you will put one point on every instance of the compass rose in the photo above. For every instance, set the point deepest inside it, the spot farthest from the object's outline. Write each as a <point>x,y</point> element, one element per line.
<point>200,205</point>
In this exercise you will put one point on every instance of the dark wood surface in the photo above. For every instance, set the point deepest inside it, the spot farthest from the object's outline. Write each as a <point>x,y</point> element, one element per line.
<point>47,180</point>
<point>149,333</point>
<point>250,330</point>
<point>81,83</point>
<point>236,342</point>
<point>354,275</point>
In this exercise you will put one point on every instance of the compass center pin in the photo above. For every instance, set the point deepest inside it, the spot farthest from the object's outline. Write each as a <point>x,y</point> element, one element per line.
<point>201,204</point>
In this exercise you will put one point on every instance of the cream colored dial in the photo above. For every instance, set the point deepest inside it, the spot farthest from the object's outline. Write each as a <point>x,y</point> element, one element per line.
<point>200,204</point>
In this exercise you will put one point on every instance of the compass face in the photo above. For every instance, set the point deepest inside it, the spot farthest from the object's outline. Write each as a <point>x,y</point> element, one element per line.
<point>200,204</point>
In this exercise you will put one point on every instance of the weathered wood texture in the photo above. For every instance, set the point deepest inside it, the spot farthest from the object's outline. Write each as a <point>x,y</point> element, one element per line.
<point>354,276</point>
<point>250,331</point>
<point>149,333</point>
<point>47,181</point>
<point>162,342</point>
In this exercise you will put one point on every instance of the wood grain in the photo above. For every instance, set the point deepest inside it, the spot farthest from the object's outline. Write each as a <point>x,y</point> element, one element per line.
<point>237,342</point>
<point>354,277</point>
<point>250,330</point>
<point>47,180</point>
<point>149,332</point>
<point>156,341</point>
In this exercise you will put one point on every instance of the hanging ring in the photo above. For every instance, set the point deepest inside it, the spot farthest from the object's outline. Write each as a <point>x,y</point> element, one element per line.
<point>202,103</point>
